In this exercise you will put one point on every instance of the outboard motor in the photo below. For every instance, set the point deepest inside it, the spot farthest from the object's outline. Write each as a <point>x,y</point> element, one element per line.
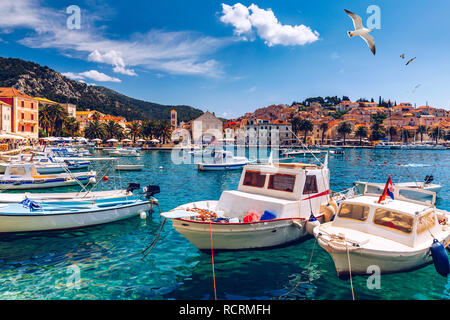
<point>151,190</point>
<point>429,179</point>
<point>133,186</point>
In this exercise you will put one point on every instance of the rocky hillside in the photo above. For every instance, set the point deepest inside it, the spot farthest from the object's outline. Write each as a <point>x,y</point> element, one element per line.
<point>39,81</point>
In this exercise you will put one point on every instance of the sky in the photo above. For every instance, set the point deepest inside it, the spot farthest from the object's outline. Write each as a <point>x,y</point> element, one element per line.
<point>231,57</point>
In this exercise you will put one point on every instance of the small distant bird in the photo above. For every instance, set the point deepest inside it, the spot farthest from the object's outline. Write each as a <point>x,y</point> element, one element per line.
<point>361,31</point>
<point>402,56</point>
<point>415,88</point>
<point>411,60</point>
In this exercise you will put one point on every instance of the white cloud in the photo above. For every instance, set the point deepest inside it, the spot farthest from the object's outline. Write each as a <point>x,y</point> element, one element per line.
<point>114,58</point>
<point>252,89</point>
<point>98,76</point>
<point>238,16</point>
<point>182,52</point>
<point>92,74</point>
<point>266,26</point>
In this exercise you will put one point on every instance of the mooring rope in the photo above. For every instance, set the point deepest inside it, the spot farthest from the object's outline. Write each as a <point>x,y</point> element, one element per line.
<point>307,273</point>
<point>153,243</point>
<point>350,270</point>
<point>212,261</point>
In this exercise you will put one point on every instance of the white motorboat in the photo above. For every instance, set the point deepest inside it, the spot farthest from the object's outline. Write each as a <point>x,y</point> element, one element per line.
<point>298,152</point>
<point>270,208</point>
<point>222,160</point>
<point>426,185</point>
<point>393,235</point>
<point>64,196</point>
<point>129,167</point>
<point>124,153</point>
<point>24,176</point>
<point>33,216</point>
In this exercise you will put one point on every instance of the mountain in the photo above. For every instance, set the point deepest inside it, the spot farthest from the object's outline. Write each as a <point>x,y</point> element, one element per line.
<point>39,81</point>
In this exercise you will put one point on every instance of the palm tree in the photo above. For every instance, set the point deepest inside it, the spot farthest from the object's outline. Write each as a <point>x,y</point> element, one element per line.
<point>435,133</point>
<point>44,118</point>
<point>344,128</point>
<point>361,132</point>
<point>392,133</point>
<point>96,116</point>
<point>113,130</point>
<point>305,126</point>
<point>71,125</point>
<point>135,130</point>
<point>148,128</point>
<point>57,115</point>
<point>406,134</point>
<point>324,128</point>
<point>295,122</point>
<point>95,130</point>
<point>422,129</point>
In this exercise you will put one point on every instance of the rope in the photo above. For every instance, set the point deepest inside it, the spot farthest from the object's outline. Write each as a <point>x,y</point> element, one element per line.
<point>307,273</point>
<point>153,243</point>
<point>350,270</point>
<point>212,261</point>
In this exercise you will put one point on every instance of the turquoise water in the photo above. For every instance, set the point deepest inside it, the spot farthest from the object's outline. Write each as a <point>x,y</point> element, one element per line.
<point>41,265</point>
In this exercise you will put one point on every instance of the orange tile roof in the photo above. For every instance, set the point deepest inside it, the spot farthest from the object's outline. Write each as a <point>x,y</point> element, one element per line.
<point>11,92</point>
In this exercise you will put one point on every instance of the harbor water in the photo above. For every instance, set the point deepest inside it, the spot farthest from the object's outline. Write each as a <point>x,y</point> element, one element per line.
<point>103,262</point>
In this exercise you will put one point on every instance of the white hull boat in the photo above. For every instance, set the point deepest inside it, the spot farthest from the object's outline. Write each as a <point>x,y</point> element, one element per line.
<point>129,167</point>
<point>63,196</point>
<point>16,219</point>
<point>25,176</point>
<point>433,187</point>
<point>392,235</point>
<point>267,210</point>
<point>222,160</point>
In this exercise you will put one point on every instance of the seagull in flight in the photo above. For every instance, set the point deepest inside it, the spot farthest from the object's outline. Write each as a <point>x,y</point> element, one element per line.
<point>411,60</point>
<point>361,31</point>
<point>402,56</point>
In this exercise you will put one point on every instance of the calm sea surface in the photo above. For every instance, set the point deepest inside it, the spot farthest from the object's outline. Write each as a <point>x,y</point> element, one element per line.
<point>46,265</point>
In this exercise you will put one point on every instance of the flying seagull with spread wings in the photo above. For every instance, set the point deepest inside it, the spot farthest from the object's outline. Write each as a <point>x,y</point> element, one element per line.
<point>361,31</point>
<point>411,60</point>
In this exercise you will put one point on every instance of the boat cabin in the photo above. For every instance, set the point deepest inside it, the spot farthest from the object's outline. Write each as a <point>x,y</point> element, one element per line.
<point>20,170</point>
<point>402,220</point>
<point>288,190</point>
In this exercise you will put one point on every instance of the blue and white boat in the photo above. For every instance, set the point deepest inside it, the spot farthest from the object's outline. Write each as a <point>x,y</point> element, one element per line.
<point>222,160</point>
<point>29,215</point>
<point>24,176</point>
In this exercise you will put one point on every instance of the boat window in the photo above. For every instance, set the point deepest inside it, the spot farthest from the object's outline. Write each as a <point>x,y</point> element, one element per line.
<point>393,220</point>
<point>17,171</point>
<point>353,211</point>
<point>310,185</point>
<point>282,182</point>
<point>426,222</point>
<point>254,179</point>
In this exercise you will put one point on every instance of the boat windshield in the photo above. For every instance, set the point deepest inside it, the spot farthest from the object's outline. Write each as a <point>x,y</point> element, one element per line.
<point>393,220</point>
<point>354,212</point>
<point>426,222</point>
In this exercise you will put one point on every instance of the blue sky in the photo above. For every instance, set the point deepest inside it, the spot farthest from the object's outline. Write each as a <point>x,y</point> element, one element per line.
<point>231,61</point>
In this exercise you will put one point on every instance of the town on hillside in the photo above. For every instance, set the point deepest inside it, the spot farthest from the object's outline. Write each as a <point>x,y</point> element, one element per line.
<point>315,122</point>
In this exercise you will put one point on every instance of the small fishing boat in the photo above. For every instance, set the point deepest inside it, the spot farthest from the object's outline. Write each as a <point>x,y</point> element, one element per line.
<point>298,152</point>
<point>337,152</point>
<point>395,235</point>
<point>426,185</point>
<point>24,176</point>
<point>271,207</point>
<point>129,167</point>
<point>29,215</point>
<point>124,153</point>
<point>222,160</point>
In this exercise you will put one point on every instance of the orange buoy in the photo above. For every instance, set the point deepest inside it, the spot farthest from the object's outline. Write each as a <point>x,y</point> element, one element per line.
<point>385,162</point>
<point>105,178</point>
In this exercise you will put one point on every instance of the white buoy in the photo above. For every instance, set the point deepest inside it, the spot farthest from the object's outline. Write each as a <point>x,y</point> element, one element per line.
<point>143,215</point>
<point>160,167</point>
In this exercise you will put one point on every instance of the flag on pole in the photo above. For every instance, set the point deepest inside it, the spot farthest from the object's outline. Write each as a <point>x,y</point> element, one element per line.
<point>388,191</point>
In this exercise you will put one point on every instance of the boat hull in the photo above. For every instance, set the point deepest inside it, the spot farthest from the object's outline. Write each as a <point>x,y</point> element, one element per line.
<point>241,236</point>
<point>74,220</point>
<point>218,167</point>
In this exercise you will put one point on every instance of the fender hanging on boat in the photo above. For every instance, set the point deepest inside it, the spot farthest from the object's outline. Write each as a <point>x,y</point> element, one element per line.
<point>440,258</point>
